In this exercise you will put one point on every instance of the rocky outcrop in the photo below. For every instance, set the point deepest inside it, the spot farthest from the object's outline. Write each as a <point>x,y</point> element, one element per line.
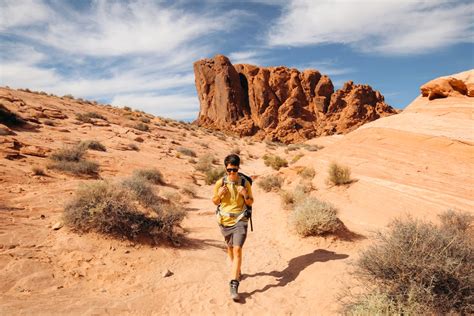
<point>443,87</point>
<point>280,103</point>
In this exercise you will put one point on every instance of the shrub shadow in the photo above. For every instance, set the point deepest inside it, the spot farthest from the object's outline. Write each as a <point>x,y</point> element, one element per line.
<point>290,273</point>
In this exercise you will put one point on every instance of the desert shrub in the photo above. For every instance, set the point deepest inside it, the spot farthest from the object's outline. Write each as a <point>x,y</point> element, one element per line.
<point>142,190</point>
<point>187,151</point>
<point>192,161</point>
<point>133,146</point>
<point>48,122</point>
<point>339,174</point>
<point>10,119</point>
<point>37,171</point>
<point>307,172</point>
<point>274,161</point>
<point>189,191</point>
<point>145,119</point>
<point>204,145</point>
<point>235,150</point>
<point>172,196</point>
<point>141,127</point>
<point>290,198</point>
<point>127,108</point>
<point>205,162</point>
<point>71,159</point>
<point>93,145</point>
<point>293,147</point>
<point>456,220</point>
<point>68,96</point>
<point>312,147</point>
<point>87,117</point>
<point>377,303</point>
<point>296,158</point>
<point>152,175</point>
<point>314,217</point>
<point>271,182</point>
<point>109,209</point>
<point>213,174</point>
<point>416,263</point>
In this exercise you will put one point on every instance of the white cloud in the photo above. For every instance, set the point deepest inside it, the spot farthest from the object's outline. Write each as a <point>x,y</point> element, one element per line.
<point>19,13</point>
<point>111,28</point>
<point>177,106</point>
<point>246,57</point>
<point>388,27</point>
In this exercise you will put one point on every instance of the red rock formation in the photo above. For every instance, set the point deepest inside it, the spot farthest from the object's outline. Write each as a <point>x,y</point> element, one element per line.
<point>448,86</point>
<point>280,103</point>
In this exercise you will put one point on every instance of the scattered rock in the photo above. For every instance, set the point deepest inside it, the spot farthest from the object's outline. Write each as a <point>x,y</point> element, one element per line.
<point>57,226</point>
<point>139,139</point>
<point>167,273</point>
<point>35,151</point>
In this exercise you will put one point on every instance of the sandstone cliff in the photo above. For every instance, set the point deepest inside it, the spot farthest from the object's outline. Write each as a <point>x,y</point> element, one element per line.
<point>280,103</point>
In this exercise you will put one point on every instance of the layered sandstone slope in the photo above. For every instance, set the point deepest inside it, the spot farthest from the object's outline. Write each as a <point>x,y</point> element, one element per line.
<point>419,162</point>
<point>281,103</point>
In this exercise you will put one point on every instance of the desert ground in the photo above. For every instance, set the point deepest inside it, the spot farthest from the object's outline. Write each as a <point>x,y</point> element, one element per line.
<point>419,162</point>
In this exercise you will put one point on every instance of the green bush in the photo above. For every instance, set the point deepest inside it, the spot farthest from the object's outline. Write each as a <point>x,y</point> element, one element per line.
<point>187,151</point>
<point>339,174</point>
<point>107,208</point>
<point>297,157</point>
<point>314,217</point>
<point>416,263</point>
<point>276,162</point>
<point>271,182</point>
<point>213,174</point>
<point>152,175</point>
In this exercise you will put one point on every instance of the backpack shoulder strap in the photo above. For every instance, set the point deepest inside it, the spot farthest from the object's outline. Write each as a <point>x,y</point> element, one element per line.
<point>224,180</point>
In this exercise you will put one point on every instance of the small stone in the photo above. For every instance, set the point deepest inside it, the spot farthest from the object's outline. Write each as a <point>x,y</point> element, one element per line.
<point>42,216</point>
<point>127,251</point>
<point>166,273</point>
<point>57,226</point>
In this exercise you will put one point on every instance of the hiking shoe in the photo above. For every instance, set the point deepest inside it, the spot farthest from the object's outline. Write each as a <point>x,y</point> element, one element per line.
<point>234,290</point>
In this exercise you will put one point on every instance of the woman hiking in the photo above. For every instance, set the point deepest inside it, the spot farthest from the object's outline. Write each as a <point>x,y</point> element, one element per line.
<point>232,194</point>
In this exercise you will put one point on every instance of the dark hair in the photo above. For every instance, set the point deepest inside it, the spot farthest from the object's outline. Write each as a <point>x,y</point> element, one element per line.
<point>232,159</point>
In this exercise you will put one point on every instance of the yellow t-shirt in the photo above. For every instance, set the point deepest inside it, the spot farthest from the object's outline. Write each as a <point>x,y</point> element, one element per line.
<point>232,201</point>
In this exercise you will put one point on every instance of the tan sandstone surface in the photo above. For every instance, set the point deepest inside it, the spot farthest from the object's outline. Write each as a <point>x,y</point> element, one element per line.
<point>419,162</point>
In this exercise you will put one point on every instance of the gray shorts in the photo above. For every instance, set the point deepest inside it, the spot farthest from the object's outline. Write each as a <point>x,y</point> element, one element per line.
<point>235,235</point>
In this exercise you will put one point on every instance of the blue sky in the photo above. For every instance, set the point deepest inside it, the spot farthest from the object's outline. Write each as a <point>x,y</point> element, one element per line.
<point>141,53</point>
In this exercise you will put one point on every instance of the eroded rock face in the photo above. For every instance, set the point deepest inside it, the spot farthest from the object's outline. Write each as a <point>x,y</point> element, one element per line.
<point>280,103</point>
<point>449,86</point>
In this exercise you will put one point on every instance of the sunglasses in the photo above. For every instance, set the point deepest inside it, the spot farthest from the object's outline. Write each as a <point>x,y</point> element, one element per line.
<point>232,169</point>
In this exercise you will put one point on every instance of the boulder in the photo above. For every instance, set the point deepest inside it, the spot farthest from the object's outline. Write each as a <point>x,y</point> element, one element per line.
<point>446,86</point>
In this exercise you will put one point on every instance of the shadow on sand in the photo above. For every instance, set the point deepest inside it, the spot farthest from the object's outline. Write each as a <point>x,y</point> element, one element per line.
<point>290,273</point>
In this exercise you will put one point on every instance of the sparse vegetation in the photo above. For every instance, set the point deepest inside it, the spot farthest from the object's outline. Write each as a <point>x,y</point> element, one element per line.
<point>339,174</point>
<point>108,208</point>
<point>235,150</point>
<point>145,119</point>
<point>127,108</point>
<point>189,191</point>
<point>37,171</point>
<point>296,158</point>
<point>142,127</point>
<point>417,268</point>
<point>187,151</point>
<point>152,175</point>
<point>307,173</point>
<point>48,122</point>
<point>290,198</point>
<point>89,116</point>
<point>312,147</point>
<point>71,159</point>
<point>93,145</point>
<point>274,161</point>
<point>141,189</point>
<point>213,174</point>
<point>205,162</point>
<point>133,146</point>
<point>270,183</point>
<point>314,217</point>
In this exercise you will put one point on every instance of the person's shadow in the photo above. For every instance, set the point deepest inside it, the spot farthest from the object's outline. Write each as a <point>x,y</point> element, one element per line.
<point>290,273</point>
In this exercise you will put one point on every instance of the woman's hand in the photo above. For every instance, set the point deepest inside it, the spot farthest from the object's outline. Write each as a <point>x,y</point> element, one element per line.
<point>242,191</point>
<point>222,191</point>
